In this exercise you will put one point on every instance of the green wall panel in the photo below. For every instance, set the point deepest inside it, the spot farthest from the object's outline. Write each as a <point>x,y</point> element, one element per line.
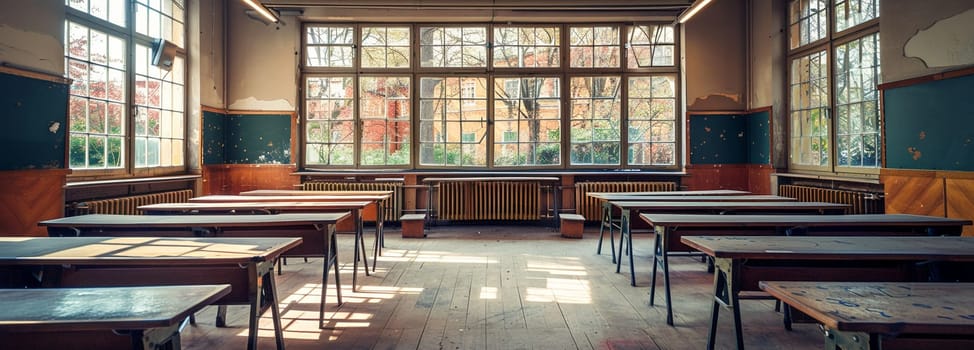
<point>34,114</point>
<point>930,125</point>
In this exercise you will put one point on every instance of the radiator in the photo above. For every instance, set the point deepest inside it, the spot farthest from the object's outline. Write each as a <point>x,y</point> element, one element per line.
<point>393,205</point>
<point>859,202</point>
<point>591,208</point>
<point>489,200</point>
<point>127,205</point>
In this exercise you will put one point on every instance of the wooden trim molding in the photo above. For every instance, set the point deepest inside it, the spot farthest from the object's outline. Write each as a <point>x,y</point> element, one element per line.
<point>927,78</point>
<point>20,72</point>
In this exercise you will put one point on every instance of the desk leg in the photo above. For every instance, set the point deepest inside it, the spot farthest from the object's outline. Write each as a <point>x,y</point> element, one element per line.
<point>726,288</point>
<point>606,223</point>
<point>661,261</point>
<point>847,340</point>
<point>622,238</point>
<point>330,261</point>
<point>221,316</point>
<point>270,294</point>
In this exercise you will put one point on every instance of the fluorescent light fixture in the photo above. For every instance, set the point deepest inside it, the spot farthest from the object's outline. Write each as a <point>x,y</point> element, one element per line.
<point>263,11</point>
<point>696,7</point>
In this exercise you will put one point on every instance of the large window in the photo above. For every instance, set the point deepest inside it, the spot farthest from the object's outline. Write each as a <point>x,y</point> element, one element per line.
<point>126,115</point>
<point>835,70</point>
<point>490,96</point>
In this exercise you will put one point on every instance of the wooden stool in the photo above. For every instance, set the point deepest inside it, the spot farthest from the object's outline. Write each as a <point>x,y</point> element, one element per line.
<point>572,225</point>
<point>413,225</point>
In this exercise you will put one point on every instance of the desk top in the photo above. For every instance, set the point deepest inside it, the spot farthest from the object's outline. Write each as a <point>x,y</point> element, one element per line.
<point>140,250</point>
<point>716,198</point>
<point>269,206</point>
<point>494,178</point>
<point>878,220</point>
<point>180,221</point>
<point>654,205</point>
<point>120,308</point>
<point>240,198</point>
<point>928,308</point>
<point>314,193</point>
<point>834,248</point>
<point>676,193</point>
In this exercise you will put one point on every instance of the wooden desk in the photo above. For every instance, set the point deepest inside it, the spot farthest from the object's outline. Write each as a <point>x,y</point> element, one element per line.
<point>316,231</point>
<point>679,193</point>
<point>380,204</point>
<point>670,228</point>
<point>883,315</point>
<point>608,220</point>
<point>100,318</point>
<point>628,209</point>
<point>378,201</point>
<point>246,264</point>
<point>742,261</point>
<point>314,193</point>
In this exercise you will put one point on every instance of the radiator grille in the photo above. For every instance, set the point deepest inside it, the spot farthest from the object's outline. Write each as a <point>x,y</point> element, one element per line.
<point>127,205</point>
<point>393,205</point>
<point>591,208</point>
<point>859,202</point>
<point>489,200</point>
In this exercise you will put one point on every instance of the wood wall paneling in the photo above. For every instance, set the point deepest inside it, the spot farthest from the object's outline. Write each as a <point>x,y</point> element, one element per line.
<point>30,196</point>
<point>718,176</point>
<point>960,201</point>
<point>913,192</point>
<point>759,178</point>
<point>235,178</point>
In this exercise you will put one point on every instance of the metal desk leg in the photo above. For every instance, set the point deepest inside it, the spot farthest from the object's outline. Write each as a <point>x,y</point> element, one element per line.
<point>263,290</point>
<point>661,261</point>
<point>606,223</point>
<point>271,295</point>
<point>330,261</point>
<point>726,288</point>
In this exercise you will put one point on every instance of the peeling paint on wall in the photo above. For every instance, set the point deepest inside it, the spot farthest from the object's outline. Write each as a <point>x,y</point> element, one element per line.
<point>31,50</point>
<point>253,104</point>
<point>717,101</point>
<point>948,42</point>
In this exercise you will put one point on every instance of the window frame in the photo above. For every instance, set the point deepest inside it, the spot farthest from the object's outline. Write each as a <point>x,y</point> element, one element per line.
<point>129,33</point>
<point>563,72</point>
<point>829,44</point>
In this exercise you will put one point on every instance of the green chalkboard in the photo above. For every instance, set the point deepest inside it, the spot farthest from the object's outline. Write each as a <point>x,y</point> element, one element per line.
<point>930,125</point>
<point>718,139</point>
<point>730,138</point>
<point>34,114</point>
<point>214,138</point>
<point>759,137</point>
<point>258,139</point>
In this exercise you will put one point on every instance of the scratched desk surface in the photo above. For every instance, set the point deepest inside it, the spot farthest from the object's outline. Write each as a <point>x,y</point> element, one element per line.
<point>922,308</point>
<point>269,206</point>
<point>63,309</point>
<point>113,220</point>
<point>140,250</point>
<point>677,193</point>
<point>314,193</point>
<point>649,205</point>
<point>711,198</point>
<point>327,198</point>
<point>819,247</point>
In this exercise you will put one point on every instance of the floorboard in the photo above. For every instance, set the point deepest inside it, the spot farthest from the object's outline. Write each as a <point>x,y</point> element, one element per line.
<point>499,287</point>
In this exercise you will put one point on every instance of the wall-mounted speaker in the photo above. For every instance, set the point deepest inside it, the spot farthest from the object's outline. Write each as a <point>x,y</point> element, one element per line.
<point>163,53</point>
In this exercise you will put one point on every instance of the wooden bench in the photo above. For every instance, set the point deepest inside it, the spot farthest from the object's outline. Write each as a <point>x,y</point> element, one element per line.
<point>413,225</point>
<point>572,225</point>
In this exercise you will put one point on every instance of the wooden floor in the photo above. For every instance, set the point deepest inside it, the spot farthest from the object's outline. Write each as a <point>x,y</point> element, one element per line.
<point>500,287</point>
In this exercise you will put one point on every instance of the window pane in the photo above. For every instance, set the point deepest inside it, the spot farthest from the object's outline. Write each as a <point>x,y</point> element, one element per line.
<point>453,47</point>
<point>594,47</point>
<point>385,47</point>
<point>857,122</point>
<point>526,47</point>
<point>453,126</point>
<point>527,116</point>
<point>595,119</point>
<point>808,19</point>
<point>330,130</point>
<point>330,46</point>
<point>385,114</point>
<point>849,13</point>
<point>809,109</point>
<point>652,120</point>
